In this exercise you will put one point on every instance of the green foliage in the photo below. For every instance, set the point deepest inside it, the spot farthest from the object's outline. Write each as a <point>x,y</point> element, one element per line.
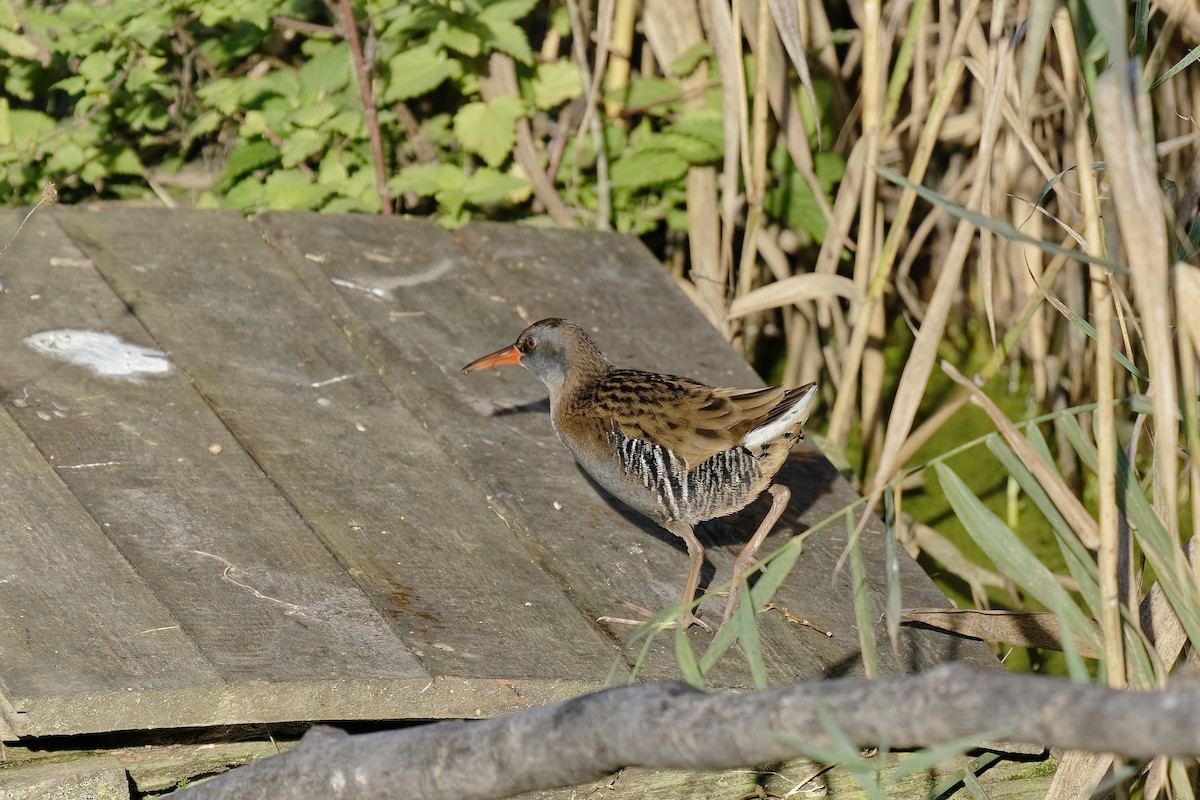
<point>110,99</point>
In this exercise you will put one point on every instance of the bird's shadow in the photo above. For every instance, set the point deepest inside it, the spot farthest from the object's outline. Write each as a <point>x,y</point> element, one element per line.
<point>532,407</point>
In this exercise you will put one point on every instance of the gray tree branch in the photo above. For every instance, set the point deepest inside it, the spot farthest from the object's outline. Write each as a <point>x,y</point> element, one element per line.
<point>670,726</point>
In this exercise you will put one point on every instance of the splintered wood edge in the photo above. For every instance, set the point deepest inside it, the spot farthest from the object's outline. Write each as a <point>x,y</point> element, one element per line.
<point>272,702</point>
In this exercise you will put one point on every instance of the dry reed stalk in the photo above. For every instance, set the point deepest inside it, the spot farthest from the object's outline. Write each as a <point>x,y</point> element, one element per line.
<point>1187,300</point>
<point>1080,772</point>
<point>1105,424</point>
<point>620,52</point>
<point>840,416</point>
<point>500,80</point>
<point>1140,215</point>
<point>920,362</point>
<point>779,96</point>
<point>672,28</point>
<point>590,124</point>
<point>717,18</point>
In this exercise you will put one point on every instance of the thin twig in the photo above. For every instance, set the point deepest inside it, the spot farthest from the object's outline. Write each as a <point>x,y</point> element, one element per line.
<point>372,120</point>
<point>49,195</point>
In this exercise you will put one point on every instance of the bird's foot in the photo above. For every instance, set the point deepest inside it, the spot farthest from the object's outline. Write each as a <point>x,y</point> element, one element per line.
<point>687,619</point>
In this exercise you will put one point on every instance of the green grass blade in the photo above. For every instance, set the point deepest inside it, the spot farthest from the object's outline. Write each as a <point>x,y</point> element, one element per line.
<point>862,603</point>
<point>685,656</point>
<point>1079,561</point>
<point>748,635</point>
<point>1076,669</point>
<point>778,566</point>
<point>892,574</point>
<point>719,646</point>
<point>1011,555</point>
<point>1181,781</point>
<point>1162,550</point>
<point>1090,331</point>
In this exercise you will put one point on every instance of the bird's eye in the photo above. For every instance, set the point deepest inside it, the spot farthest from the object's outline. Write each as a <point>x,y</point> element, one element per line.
<point>528,344</point>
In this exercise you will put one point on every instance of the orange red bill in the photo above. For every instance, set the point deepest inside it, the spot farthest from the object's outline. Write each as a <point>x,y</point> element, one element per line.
<point>501,358</point>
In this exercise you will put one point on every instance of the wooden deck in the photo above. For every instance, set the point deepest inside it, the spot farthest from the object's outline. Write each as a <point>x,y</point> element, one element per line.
<point>300,510</point>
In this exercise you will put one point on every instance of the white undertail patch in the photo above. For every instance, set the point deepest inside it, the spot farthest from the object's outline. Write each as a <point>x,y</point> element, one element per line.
<point>797,414</point>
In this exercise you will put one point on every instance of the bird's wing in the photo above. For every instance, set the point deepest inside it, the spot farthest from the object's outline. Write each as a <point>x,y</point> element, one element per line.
<point>691,419</point>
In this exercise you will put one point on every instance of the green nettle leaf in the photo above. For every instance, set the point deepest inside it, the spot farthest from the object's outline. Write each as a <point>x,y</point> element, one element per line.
<point>147,117</point>
<point>8,15</point>
<point>555,83</point>
<point>327,73</point>
<point>488,128</point>
<point>457,39</point>
<point>691,58</point>
<point>704,124</point>
<point>487,187</point>
<point>790,198</point>
<point>301,144</point>
<point>425,179</point>
<point>349,124</point>
<point>652,95</point>
<point>16,45</point>
<point>282,82</point>
<point>511,10</point>
<point>72,84</point>
<point>96,67</point>
<point>647,168</point>
<point>829,168</point>
<point>147,75</point>
<point>206,123</point>
<point>124,162</point>
<point>696,151</point>
<point>509,38</point>
<point>248,156</point>
<point>312,115</point>
<point>253,124</point>
<point>418,70</point>
<point>29,128</point>
<point>332,171</point>
<point>94,171</point>
<point>276,112</point>
<point>245,194</point>
<point>67,157</point>
<point>223,94</point>
<point>395,21</point>
<point>293,190</point>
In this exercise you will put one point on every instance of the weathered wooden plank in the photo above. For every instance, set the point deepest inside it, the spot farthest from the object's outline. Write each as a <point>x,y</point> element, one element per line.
<point>398,512</point>
<point>1007,779</point>
<point>67,778</point>
<point>239,571</point>
<point>74,616</point>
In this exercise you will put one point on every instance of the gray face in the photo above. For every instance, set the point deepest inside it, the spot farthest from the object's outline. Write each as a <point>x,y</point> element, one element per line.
<point>545,351</point>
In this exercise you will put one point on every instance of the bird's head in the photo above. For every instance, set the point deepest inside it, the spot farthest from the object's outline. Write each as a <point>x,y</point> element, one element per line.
<point>553,349</point>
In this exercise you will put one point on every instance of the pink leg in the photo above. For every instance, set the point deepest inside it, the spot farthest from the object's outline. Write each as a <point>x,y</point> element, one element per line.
<point>695,564</point>
<point>780,495</point>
